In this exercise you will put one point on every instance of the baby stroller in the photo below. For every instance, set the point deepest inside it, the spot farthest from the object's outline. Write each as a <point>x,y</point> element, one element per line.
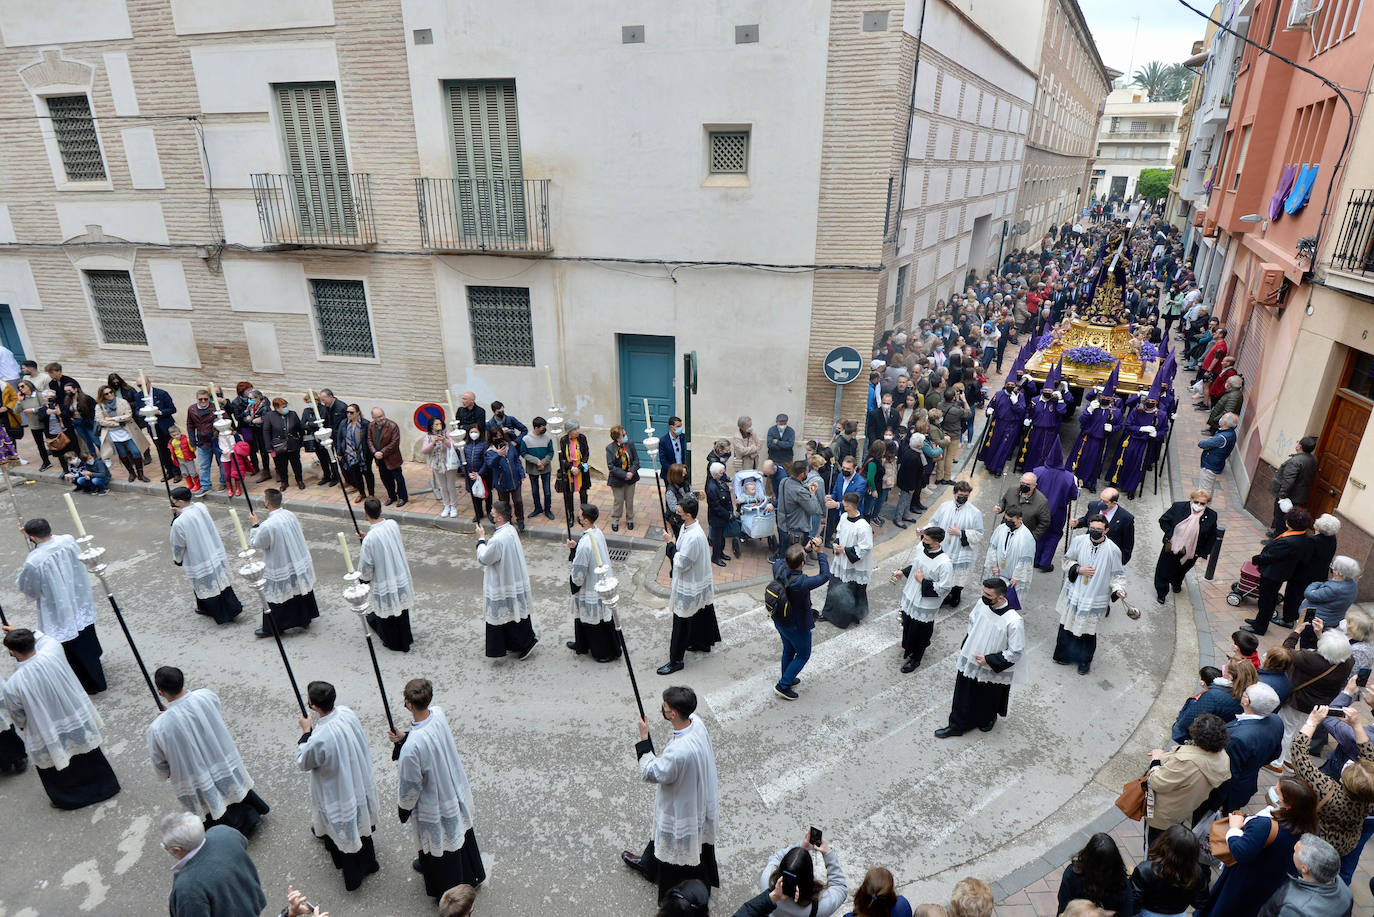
<point>1248,585</point>
<point>757,518</point>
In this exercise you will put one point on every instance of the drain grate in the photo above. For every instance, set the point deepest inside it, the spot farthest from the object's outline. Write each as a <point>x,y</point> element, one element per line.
<point>618,554</point>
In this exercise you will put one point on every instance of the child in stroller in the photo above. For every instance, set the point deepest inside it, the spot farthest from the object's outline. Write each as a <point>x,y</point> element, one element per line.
<point>757,517</point>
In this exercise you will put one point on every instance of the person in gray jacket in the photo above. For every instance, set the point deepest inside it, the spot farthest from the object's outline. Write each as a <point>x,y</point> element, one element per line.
<point>1333,597</point>
<point>1316,892</point>
<point>794,865</point>
<point>1292,483</point>
<point>220,878</point>
<point>797,503</point>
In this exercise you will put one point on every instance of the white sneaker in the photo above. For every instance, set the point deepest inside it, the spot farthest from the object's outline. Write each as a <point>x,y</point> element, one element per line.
<point>451,511</point>
<point>445,511</point>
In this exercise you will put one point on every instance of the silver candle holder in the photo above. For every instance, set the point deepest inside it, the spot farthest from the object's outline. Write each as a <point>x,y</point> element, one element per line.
<point>357,594</point>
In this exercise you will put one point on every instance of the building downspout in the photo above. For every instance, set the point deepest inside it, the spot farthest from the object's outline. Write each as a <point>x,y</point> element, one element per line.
<point>910,120</point>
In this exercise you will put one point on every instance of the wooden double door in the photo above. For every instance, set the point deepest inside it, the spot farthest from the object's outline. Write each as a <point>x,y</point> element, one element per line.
<point>1340,440</point>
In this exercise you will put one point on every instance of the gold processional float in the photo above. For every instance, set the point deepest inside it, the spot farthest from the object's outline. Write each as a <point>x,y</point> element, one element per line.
<point>1093,342</point>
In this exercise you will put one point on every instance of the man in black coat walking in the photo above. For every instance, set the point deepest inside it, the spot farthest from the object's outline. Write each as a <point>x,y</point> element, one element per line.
<point>1277,563</point>
<point>1120,523</point>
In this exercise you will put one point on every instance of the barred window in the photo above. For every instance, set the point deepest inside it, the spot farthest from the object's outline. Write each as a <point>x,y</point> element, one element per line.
<point>502,332</point>
<point>729,152</point>
<point>77,143</point>
<point>116,307</point>
<point>341,317</point>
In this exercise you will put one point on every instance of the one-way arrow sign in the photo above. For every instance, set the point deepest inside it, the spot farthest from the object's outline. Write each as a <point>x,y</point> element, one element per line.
<point>843,365</point>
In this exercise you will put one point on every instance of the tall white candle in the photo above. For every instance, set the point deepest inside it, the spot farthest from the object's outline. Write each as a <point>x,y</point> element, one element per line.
<point>76,519</point>
<point>548,377</point>
<point>348,558</point>
<point>142,383</point>
<point>238,527</point>
<point>648,421</point>
<point>596,550</point>
<point>448,401</point>
<point>310,393</point>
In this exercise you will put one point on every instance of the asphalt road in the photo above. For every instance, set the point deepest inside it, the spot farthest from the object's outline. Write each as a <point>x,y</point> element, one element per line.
<point>548,743</point>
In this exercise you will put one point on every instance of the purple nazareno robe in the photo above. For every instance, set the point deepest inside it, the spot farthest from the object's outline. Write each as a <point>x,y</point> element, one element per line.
<point>1006,431</point>
<point>1061,489</point>
<point>1127,468</point>
<point>1088,449</point>
<point>1045,418</point>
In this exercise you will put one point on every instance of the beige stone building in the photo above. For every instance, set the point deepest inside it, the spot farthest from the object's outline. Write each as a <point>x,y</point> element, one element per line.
<point>1060,148</point>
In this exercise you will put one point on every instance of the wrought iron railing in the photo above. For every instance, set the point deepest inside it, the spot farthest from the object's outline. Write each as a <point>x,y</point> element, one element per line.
<point>307,208</point>
<point>480,215</point>
<point>1354,251</point>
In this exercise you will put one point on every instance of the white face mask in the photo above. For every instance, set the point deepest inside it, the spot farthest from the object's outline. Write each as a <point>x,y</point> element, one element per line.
<point>1274,796</point>
<point>473,434</point>
<point>1199,507</point>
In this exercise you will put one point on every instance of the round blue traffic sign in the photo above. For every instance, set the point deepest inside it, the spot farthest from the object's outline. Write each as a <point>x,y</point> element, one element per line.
<point>426,414</point>
<point>843,365</point>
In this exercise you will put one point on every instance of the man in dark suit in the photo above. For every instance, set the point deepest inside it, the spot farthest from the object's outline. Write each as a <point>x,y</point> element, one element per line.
<point>672,448</point>
<point>879,421</point>
<point>1256,739</point>
<point>1277,563</point>
<point>1120,523</point>
<point>332,413</point>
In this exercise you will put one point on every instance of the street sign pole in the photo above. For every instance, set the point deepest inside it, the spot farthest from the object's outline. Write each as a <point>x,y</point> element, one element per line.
<point>842,365</point>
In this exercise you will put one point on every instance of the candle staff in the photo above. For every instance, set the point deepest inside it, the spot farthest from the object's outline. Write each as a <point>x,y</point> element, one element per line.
<point>324,438</point>
<point>357,594</point>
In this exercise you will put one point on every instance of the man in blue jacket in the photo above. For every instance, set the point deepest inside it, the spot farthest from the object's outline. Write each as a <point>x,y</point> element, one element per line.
<point>794,626</point>
<point>672,448</point>
<point>1215,451</point>
<point>1256,738</point>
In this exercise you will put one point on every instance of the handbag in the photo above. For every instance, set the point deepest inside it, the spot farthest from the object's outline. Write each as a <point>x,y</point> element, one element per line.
<point>1216,839</point>
<point>1131,802</point>
<point>59,442</point>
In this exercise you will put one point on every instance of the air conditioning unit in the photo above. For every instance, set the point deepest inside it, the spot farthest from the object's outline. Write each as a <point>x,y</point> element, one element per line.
<point>1301,14</point>
<point>1270,290</point>
<point>1198,216</point>
<point>1209,227</point>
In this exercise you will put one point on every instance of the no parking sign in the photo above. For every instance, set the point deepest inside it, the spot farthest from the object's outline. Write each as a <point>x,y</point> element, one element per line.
<point>426,414</point>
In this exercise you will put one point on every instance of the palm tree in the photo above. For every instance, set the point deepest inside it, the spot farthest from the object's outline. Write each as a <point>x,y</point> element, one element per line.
<point>1154,78</point>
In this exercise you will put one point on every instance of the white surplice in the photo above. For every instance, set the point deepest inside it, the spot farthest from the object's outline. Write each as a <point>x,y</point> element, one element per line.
<point>692,588</point>
<point>56,579</point>
<point>382,563</point>
<point>198,548</point>
<point>433,786</point>
<point>505,578</point>
<point>1083,601</point>
<point>1011,555</point>
<point>290,569</point>
<point>189,744</point>
<point>854,533</point>
<point>343,787</point>
<point>989,633</point>
<point>938,572</point>
<point>50,708</point>
<point>587,605</point>
<point>969,519</point>
<point>687,795</point>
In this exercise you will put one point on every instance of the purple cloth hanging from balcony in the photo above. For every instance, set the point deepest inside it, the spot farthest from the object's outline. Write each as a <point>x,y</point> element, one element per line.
<point>1285,185</point>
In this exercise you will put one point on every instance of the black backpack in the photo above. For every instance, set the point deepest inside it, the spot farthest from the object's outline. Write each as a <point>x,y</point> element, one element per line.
<point>775,598</point>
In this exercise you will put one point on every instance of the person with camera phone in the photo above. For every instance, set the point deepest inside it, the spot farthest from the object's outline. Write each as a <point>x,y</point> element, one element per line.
<point>788,602</point>
<point>793,869</point>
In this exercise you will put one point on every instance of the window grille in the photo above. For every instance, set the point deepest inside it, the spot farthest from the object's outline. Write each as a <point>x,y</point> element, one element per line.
<point>341,316</point>
<point>77,143</point>
<point>729,152</point>
<point>502,332</point>
<point>116,307</point>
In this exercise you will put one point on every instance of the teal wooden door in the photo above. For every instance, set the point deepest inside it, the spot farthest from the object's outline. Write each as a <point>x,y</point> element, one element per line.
<point>9,335</point>
<point>646,371</point>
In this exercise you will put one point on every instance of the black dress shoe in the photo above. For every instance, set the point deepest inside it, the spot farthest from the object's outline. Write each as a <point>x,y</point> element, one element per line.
<point>1084,668</point>
<point>572,645</point>
<point>720,561</point>
<point>669,668</point>
<point>630,526</point>
<point>1058,661</point>
<point>415,864</point>
<point>389,501</point>
<point>987,728</point>
<point>947,732</point>
<point>1280,622</point>
<point>909,666</point>
<point>632,861</point>
<point>615,526</point>
<point>1177,588</point>
<point>1250,630</point>
<point>261,633</point>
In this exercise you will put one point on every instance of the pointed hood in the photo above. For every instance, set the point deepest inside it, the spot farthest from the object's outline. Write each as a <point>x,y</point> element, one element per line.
<point>1155,388</point>
<point>1054,375</point>
<point>1169,367</point>
<point>1054,454</point>
<point>1109,389</point>
<point>1022,357</point>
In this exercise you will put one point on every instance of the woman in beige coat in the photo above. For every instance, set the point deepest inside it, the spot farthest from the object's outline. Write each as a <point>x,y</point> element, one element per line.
<point>119,435</point>
<point>744,447</point>
<point>1181,780</point>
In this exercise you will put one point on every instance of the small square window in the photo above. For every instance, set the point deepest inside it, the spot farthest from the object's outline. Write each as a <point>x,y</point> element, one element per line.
<point>341,318</point>
<point>502,331</point>
<point>116,307</point>
<point>77,142</point>
<point>729,153</point>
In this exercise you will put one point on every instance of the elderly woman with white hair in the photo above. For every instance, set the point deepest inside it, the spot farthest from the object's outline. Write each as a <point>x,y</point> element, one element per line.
<point>1318,675</point>
<point>1321,550</point>
<point>744,446</point>
<point>1332,597</point>
<point>720,509</point>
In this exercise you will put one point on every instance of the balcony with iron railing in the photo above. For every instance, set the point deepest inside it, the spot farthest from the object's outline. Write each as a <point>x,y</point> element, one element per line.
<point>331,210</point>
<point>1352,256</point>
<point>471,216</point>
<point>1125,133</point>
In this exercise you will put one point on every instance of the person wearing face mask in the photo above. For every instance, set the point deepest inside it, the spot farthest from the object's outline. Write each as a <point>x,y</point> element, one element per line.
<point>1005,416</point>
<point>672,446</point>
<point>574,474</point>
<point>1144,424</point>
<point>475,460</point>
<point>1190,529</point>
<point>1043,419</point>
<point>929,577</point>
<point>1035,507</point>
<point>744,446</point>
<point>283,432</point>
<point>880,420</point>
<point>622,470</point>
<point>1095,577</point>
<point>963,526</point>
<point>1011,555</point>
<point>847,481</point>
<point>1096,423</point>
<point>993,643</point>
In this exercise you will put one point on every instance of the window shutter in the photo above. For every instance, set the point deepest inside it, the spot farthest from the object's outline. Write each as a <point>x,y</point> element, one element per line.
<point>116,307</point>
<point>316,158</point>
<point>488,172</point>
<point>77,143</point>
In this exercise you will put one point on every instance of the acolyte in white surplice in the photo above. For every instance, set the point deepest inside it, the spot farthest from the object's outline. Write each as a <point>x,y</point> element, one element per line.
<point>855,536</point>
<point>505,578</point>
<point>343,786</point>
<point>587,605</point>
<point>190,745</point>
<point>692,587</point>
<point>290,569</point>
<point>1084,599</point>
<point>50,708</point>
<point>382,563</point>
<point>1011,555</point>
<point>687,794</point>
<point>962,548</point>
<point>433,786</point>
<point>199,550</point>
<point>54,577</point>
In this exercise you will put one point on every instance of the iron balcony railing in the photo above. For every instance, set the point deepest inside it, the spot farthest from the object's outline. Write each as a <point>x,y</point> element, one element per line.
<point>1127,132</point>
<point>482,215</point>
<point>307,208</point>
<point>1354,250</point>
